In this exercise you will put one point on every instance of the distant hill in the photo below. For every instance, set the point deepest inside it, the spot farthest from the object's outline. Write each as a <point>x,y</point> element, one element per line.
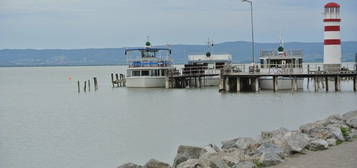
<point>241,52</point>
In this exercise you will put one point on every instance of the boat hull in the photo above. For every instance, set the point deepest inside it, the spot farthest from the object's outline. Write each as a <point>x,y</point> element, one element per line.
<point>146,82</point>
<point>283,83</point>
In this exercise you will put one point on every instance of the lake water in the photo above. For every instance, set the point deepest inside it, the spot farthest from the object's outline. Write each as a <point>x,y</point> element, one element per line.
<point>45,123</point>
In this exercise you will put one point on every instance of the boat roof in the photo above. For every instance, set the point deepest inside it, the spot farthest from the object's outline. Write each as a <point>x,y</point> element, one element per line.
<point>147,49</point>
<point>212,58</point>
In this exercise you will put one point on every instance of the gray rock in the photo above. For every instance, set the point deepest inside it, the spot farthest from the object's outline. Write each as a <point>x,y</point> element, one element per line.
<point>188,152</point>
<point>333,120</point>
<point>331,142</point>
<point>268,135</point>
<point>354,133</point>
<point>317,145</point>
<point>233,156</point>
<point>215,160</point>
<point>240,143</point>
<point>349,115</point>
<point>352,122</point>
<point>270,148</point>
<point>335,132</point>
<point>270,154</point>
<point>296,141</point>
<point>270,159</point>
<point>130,165</point>
<point>245,164</point>
<point>211,148</point>
<point>156,164</point>
<point>193,163</point>
<point>306,128</point>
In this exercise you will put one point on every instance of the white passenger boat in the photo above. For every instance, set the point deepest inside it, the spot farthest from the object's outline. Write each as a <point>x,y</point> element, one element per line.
<point>208,64</point>
<point>148,66</point>
<point>281,61</point>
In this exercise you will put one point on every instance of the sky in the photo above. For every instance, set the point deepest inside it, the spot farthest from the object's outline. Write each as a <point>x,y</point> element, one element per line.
<point>69,24</point>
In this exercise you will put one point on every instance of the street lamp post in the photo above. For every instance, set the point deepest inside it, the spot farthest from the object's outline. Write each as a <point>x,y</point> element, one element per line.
<point>252,25</point>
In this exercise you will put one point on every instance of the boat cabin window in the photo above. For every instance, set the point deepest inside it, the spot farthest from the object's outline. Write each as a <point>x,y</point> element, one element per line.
<point>136,73</point>
<point>145,73</point>
<point>147,53</point>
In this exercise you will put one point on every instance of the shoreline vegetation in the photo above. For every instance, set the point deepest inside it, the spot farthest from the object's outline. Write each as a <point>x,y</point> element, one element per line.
<point>268,149</point>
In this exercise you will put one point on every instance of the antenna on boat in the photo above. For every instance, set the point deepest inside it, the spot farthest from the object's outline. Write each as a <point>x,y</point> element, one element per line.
<point>209,47</point>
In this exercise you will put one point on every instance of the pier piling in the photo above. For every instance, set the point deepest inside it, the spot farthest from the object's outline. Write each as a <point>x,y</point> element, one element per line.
<point>326,84</point>
<point>88,85</point>
<point>275,83</point>
<point>337,83</point>
<point>85,86</point>
<point>79,86</point>
<point>95,83</point>
<point>355,83</point>
<point>112,75</point>
<point>238,84</point>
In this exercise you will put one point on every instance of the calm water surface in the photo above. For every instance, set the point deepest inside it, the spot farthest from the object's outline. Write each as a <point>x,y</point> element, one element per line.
<point>45,123</point>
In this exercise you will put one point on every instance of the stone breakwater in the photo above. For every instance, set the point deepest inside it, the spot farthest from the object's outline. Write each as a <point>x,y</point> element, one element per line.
<point>270,148</point>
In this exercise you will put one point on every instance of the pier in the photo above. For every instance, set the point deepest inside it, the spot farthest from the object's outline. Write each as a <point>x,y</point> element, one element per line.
<point>119,80</point>
<point>236,79</point>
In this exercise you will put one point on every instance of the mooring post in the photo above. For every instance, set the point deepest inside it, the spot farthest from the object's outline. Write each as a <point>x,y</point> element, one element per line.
<point>112,75</point>
<point>308,79</point>
<point>256,84</point>
<point>95,83</point>
<point>88,85</point>
<point>316,84</point>
<point>294,84</point>
<point>275,83</point>
<point>337,83</point>
<point>354,83</point>
<point>117,79</point>
<point>326,84</point>
<point>238,84</point>
<point>79,87</point>
<point>85,86</point>
<point>227,87</point>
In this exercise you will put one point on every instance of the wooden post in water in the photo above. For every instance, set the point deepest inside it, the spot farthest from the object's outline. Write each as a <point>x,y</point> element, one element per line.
<point>117,79</point>
<point>318,78</point>
<point>326,84</point>
<point>355,83</point>
<point>88,85</point>
<point>79,87</point>
<point>308,79</point>
<point>255,84</point>
<point>112,75</point>
<point>238,84</point>
<point>294,86</point>
<point>337,83</point>
<point>316,84</point>
<point>226,81</point>
<point>95,83</point>
<point>275,83</point>
<point>85,86</point>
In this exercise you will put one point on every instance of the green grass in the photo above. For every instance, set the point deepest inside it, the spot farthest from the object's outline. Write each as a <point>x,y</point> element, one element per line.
<point>258,164</point>
<point>338,142</point>
<point>345,131</point>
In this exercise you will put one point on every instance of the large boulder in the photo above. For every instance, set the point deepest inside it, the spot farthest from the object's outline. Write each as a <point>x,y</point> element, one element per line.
<point>233,156</point>
<point>245,164</point>
<point>214,160</point>
<point>296,141</point>
<point>331,142</point>
<point>243,143</point>
<point>156,164</point>
<point>316,145</point>
<point>193,163</point>
<point>352,122</point>
<point>270,154</point>
<point>211,148</point>
<point>188,152</point>
<point>130,165</point>
<point>335,132</point>
<point>276,137</point>
<point>350,114</point>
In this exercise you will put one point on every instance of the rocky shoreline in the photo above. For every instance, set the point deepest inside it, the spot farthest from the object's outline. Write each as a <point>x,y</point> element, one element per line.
<point>270,148</point>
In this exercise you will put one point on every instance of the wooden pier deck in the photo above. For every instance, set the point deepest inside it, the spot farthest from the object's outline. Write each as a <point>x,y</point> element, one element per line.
<point>238,81</point>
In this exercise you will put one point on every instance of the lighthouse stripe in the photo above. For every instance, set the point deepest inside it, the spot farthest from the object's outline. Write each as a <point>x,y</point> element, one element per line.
<point>332,35</point>
<point>332,23</point>
<point>332,20</point>
<point>332,28</point>
<point>332,42</point>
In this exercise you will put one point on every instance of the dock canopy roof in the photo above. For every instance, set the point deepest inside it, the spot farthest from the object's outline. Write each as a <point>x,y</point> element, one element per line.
<point>148,50</point>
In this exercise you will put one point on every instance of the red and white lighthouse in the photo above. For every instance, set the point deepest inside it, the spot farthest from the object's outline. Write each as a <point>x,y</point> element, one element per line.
<point>332,37</point>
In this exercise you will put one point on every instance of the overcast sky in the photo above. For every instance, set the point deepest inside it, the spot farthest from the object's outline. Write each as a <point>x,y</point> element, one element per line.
<point>121,23</point>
